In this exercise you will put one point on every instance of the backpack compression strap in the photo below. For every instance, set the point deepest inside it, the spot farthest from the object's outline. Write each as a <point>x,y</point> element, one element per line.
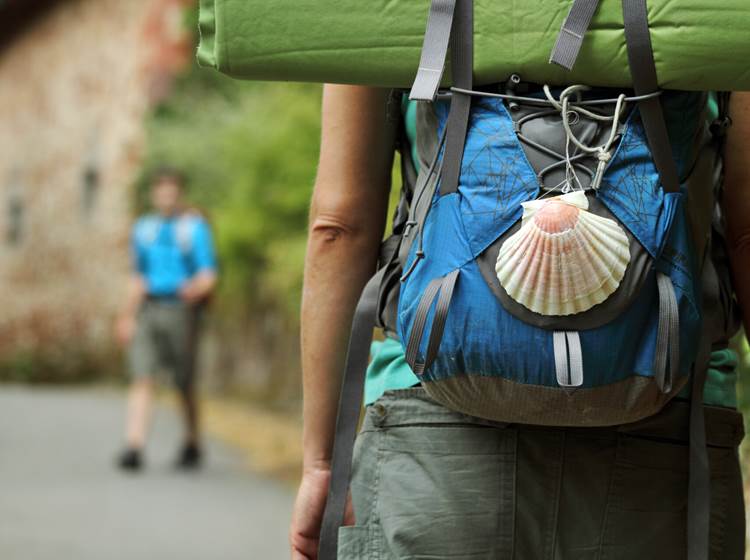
<point>462,63</point>
<point>350,402</point>
<point>569,41</point>
<point>434,50</point>
<point>643,72</point>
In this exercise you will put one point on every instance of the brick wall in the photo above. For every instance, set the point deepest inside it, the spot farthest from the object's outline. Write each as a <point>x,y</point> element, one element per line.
<point>74,89</point>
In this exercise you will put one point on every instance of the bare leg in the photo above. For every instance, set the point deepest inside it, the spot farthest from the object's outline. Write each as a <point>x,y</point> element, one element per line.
<point>189,404</point>
<point>140,397</point>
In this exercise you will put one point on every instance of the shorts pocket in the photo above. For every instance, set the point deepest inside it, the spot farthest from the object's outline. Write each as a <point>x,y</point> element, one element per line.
<point>647,503</point>
<point>447,491</point>
<point>354,543</point>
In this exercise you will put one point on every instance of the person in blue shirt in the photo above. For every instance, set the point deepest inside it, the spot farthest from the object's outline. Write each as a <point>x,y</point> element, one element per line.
<point>174,273</point>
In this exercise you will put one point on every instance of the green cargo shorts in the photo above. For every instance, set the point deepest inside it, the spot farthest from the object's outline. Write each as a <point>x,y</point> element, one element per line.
<point>429,483</point>
<point>165,340</point>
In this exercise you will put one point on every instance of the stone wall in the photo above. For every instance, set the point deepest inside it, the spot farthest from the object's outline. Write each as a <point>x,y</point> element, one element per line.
<point>75,87</point>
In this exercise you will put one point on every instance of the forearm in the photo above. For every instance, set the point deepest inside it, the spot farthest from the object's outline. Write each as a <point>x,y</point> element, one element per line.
<point>347,219</point>
<point>136,293</point>
<point>338,265</point>
<point>737,199</point>
<point>200,286</point>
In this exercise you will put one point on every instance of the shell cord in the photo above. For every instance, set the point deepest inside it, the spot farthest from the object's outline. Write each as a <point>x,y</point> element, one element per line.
<point>570,105</point>
<point>603,152</point>
<point>545,102</point>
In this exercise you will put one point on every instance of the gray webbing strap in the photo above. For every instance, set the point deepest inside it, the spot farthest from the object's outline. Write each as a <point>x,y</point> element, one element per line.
<point>420,321</point>
<point>462,61</point>
<point>643,72</point>
<point>424,192</point>
<point>667,357</point>
<point>570,39</point>
<point>350,403</point>
<point>434,50</point>
<point>444,287</point>
<point>568,358</point>
<point>699,474</point>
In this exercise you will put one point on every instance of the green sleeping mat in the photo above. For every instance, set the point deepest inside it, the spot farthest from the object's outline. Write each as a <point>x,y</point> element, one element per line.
<point>698,44</point>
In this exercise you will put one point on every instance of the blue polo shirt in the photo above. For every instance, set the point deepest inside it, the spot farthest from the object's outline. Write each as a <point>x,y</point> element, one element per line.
<point>169,251</point>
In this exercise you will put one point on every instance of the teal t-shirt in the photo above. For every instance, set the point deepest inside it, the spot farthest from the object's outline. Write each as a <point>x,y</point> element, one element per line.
<point>388,369</point>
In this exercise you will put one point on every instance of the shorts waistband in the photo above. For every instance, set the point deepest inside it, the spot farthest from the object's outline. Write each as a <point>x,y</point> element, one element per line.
<point>163,298</point>
<point>413,406</point>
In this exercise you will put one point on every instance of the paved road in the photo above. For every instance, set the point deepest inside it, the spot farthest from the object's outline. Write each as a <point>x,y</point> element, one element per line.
<point>61,498</point>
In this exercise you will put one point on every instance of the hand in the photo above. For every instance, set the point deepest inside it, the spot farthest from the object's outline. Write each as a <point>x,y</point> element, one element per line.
<point>304,533</point>
<point>199,287</point>
<point>125,329</point>
<point>192,294</point>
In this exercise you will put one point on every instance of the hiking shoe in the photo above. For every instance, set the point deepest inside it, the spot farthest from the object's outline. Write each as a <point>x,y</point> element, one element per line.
<point>190,457</point>
<point>130,460</point>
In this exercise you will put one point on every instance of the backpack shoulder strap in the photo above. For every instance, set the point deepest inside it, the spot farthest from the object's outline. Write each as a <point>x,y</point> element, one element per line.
<point>146,229</point>
<point>350,402</point>
<point>185,227</point>
<point>643,72</point>
<point>462,64</point>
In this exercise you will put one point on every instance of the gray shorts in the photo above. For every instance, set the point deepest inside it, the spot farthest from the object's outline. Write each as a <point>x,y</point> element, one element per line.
<point>166,339</point>
<point>432,483</point>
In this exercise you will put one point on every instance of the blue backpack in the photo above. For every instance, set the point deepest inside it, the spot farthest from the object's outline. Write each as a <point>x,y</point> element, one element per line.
<point>553,261</point>
<point>512,320</point>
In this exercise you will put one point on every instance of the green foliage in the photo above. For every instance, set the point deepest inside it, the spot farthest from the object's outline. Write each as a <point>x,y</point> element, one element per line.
<point>249,151</point>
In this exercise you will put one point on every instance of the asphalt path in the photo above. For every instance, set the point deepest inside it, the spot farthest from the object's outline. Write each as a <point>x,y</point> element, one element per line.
<point>61,498</point>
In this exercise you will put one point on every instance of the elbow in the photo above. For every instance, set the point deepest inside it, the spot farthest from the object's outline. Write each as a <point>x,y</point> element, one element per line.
<point>332,229</point>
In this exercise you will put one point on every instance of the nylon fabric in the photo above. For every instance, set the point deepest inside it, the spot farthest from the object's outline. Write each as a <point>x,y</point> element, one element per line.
<point>572,33</point>
<point>496,177</point>
<point>434,50</point>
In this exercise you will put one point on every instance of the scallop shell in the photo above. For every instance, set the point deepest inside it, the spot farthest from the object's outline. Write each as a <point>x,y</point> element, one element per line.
<point>564,259</point>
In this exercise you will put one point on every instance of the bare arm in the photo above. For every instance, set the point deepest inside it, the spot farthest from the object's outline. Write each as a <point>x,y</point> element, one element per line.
<point>737,199</point>
<point>136,292</point>
<point>347,220</point>
<point>134,296</point>
<point>199,287</point>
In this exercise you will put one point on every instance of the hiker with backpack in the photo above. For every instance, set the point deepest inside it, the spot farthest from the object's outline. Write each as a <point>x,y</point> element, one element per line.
<point>556,298</point>
<point>480,471</point>
<point>174,275</point>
